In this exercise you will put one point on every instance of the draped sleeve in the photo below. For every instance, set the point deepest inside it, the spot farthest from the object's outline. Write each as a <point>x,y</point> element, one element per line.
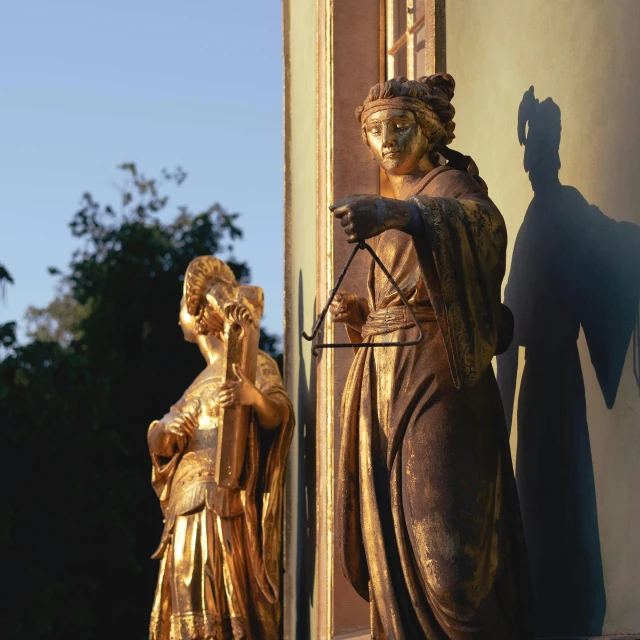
<point>164,468</point>
<point>610,292</point>
<point>263,498</point>
<point>462,255</point>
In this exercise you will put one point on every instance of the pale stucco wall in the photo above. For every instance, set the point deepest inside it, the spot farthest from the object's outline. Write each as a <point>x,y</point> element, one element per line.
<point>585,56</point>
<point>331,60</point>
<point>300,282</point>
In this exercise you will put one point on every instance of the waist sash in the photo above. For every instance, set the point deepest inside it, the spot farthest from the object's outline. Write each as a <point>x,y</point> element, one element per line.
<point>391,319</point>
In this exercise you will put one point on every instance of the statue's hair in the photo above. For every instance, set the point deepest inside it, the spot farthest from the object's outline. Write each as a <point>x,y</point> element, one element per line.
<point>203,274</point>
<point>435,92</point>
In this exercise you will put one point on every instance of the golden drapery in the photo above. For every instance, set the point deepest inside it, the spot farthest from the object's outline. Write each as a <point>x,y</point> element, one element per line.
<point>428,522</point>
<point>220,548</point>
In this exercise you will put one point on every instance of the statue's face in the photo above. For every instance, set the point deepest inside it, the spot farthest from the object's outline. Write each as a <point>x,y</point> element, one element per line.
<point>396,140</point>
<point>187,323</point>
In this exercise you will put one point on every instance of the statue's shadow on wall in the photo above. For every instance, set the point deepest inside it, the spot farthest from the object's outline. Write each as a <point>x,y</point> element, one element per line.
<point>305,442</point>
<point>572,267</point>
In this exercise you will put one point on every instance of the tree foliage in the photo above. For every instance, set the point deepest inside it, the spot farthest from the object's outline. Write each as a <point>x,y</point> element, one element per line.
<point>107,356</point>
<point>7,329</point>
<point>59,321</point>
<point>5,278</point>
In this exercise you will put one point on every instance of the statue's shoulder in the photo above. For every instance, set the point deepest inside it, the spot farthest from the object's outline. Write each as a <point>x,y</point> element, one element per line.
<point>454,183</point>
<point>267,366</point>
<point>211,376</point>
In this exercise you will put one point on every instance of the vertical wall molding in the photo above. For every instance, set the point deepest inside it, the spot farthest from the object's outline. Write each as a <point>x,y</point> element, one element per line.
<point>436,36</point>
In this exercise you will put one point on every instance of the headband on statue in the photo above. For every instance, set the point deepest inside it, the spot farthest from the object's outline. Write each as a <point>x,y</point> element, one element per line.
<point>401,102</point>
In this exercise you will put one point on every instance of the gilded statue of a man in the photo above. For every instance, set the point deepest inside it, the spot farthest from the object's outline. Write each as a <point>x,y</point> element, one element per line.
<point>428,522</point>
<point>220,550</point>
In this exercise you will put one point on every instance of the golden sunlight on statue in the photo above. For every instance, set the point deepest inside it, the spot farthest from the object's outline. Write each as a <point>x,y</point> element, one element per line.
<point>428,524</point>
<point>218,468</point>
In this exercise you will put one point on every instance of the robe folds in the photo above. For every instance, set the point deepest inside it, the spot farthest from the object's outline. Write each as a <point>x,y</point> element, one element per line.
<point>428,522</point>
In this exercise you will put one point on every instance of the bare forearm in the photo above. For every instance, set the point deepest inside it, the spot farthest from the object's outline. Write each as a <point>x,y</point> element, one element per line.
<point>243,391</point>
<point>270,413</point>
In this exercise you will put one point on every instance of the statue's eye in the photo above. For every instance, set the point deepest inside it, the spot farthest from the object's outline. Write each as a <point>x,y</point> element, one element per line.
<point>375,131</point>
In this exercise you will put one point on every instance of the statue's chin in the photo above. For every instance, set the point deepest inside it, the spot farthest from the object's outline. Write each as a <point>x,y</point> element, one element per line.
<point>392,168</point>
<point>189,337</point>
<point>397,166</point>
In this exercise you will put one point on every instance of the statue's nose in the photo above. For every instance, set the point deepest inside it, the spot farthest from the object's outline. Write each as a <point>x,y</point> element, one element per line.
<point>388,137</point>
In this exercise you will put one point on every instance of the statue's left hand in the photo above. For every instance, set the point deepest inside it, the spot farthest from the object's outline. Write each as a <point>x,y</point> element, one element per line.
<point>240,391</point>
<point>367,216</point>
<point>183,426</point>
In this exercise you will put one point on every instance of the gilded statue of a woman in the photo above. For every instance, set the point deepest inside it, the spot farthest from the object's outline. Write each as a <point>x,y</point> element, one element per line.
<point>220,550</point>
<point>428,522</point>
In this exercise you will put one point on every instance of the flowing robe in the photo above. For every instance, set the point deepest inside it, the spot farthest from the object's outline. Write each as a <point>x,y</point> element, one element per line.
<point>220,549</point>
<point>428,523</point>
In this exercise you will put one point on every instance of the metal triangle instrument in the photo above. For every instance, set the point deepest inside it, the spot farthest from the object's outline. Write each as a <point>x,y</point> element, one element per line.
<point>361,345</point>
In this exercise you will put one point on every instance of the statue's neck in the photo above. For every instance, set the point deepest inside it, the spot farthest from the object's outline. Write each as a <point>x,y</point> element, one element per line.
<point>404,184</point>
<point>211,348</point>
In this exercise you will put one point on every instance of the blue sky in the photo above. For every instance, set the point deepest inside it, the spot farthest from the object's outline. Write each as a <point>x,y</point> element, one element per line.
<point>87,85</point>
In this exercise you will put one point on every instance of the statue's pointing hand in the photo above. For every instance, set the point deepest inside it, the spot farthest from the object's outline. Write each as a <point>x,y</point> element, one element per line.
<point>367,216</point>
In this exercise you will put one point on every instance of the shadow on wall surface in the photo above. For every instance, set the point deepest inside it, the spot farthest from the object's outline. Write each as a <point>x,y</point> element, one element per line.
<point>306,443</point>
<point>572,267</point>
